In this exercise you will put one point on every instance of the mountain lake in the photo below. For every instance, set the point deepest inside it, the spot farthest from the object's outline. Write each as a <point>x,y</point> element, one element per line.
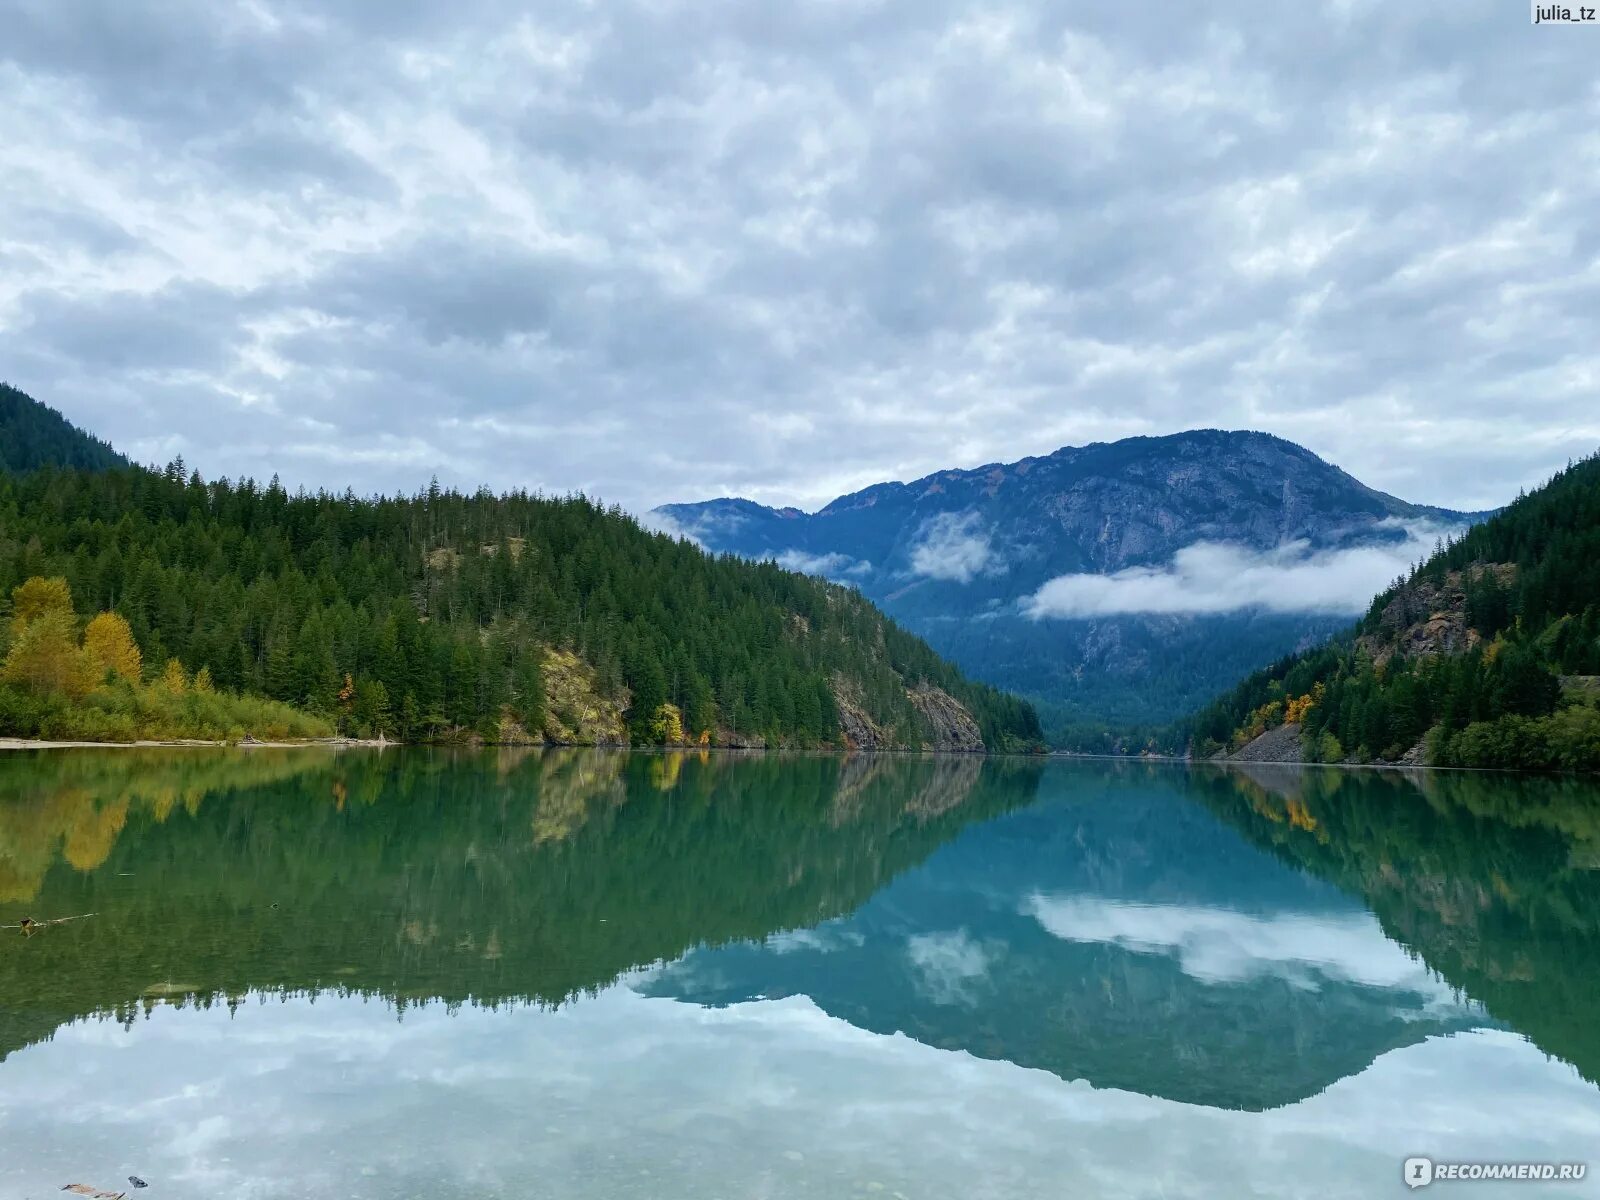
<point>595,974</point>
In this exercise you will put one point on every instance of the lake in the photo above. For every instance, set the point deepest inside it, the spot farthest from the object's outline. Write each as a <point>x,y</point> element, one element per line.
<point>596,974</point>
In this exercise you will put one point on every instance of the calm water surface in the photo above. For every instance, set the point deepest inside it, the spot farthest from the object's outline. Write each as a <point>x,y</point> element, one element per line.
<point>599,975</point>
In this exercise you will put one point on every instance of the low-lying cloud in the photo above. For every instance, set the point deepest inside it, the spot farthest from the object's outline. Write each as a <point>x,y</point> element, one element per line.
<point>1220,577</point>
<point>829,566</point>
<point>657,521</point>
<point>954,546</point>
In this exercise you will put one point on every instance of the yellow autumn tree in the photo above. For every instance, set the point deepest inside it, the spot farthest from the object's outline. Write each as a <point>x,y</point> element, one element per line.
<point>203,682</point>
<point>35,597</point>
<point>666,726</point>
<point>1295,712</point>
<point>45,657</point>
<point>110,646</point>
<point>175,678</point>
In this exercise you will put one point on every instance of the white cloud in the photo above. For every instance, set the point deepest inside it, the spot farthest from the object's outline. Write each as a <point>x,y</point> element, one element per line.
<point>1218,577</point>
<point>954,546</point>
<point>823,939</point>
<point>830,566</point>
<point>657,521</point>
<point>619,1095</point>
<point>1219,945</point>
<point>949,966</point>
<point>654,250</point>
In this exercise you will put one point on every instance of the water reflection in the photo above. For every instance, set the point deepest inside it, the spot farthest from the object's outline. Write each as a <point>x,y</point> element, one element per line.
<point>1115,932</point>
<point>505,877</point>
<point>1493,881</point>
<point>787,976</point>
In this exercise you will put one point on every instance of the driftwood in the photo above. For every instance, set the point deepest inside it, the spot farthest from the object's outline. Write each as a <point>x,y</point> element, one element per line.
<point>28,924</point>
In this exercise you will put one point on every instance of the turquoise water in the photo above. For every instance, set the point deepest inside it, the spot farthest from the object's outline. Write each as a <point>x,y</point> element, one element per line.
<point>594,974</point>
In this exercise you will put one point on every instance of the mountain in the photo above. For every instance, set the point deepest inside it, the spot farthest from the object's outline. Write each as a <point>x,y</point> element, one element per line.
<point>1486,655</point>
<point>971,559</point>
<point>33,435</point>
<point>446,617</point>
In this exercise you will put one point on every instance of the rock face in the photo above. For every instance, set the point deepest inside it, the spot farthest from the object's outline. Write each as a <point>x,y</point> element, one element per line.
<point>1427,618</point>
<point>576,713</point>
<point>952,725</point>
<point>1279,745</point>
<point>956,555</point>
<point>860,731</point>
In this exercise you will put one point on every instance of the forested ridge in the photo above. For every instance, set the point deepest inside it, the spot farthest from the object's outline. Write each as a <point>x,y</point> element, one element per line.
<point>444,615</point>
<point>1487,654</point>
<point>34,435</point>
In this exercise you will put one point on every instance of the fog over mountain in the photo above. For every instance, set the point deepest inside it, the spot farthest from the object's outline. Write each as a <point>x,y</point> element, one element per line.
<point>1121,581</point>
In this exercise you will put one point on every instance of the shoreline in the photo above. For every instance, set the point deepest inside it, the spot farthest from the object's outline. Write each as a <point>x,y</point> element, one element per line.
<point>16,743</point>
<point>13,743</point>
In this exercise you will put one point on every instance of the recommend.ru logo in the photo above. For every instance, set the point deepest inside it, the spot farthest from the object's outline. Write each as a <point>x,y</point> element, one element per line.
<point>1420,1172</point>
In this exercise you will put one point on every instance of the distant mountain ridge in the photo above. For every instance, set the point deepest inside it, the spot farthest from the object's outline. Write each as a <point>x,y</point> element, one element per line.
<point>961,555</point>
<point>33,435</point>
<point>1261,489</point>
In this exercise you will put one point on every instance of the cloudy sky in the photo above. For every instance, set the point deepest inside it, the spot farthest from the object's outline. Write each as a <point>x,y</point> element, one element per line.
<point>662,250</point>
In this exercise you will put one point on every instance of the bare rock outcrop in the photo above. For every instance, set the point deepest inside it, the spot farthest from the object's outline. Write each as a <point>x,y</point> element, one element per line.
<point>1278,745</point>
<point>860,731</point>
<point>1426,618</point>
<point>577,712</point>
<point>951,725</point>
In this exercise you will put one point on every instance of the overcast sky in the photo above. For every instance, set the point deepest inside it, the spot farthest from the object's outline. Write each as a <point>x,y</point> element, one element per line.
<point>662,251</point>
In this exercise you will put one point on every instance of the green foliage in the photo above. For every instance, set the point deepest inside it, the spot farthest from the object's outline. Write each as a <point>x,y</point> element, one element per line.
<point>1530,578</point>
<point>33,435</point>
<point>449,602</point>
<point>1113,699</point>
<point>52,687</point>
<point>666,726</point>
<point>1564,740</point>
<point>124,712</point>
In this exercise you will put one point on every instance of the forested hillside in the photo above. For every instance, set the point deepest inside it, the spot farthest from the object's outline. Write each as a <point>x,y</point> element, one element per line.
<point>1488,655</point>
<point>34,435</point>
<point>518,617</point>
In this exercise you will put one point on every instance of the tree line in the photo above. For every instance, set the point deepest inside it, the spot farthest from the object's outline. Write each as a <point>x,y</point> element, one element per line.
<point>33,435</point>
<point>432,616</point>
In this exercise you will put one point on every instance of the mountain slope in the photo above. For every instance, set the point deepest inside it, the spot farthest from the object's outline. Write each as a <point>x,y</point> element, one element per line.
<point>1490,649</point>
<point>514,617</point>
<point>33,435</point>
<point>961,556</point>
